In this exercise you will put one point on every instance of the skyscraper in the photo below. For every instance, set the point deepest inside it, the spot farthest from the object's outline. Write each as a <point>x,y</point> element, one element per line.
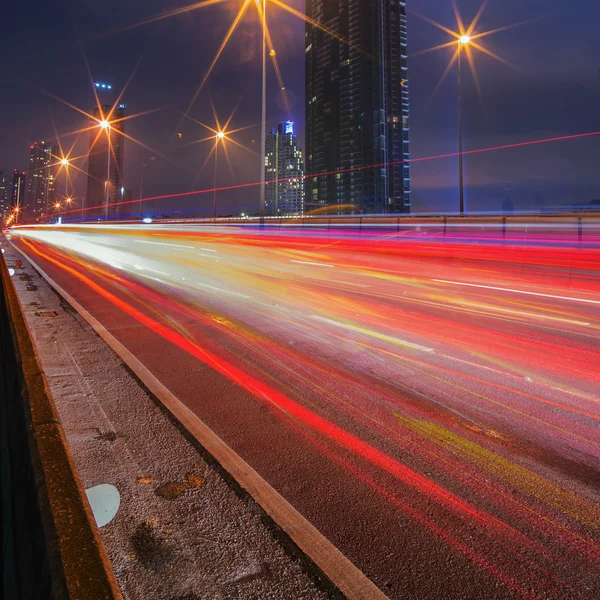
<point>357,106</point>
<point>40,157</point>
<point>105,162</point>
<point>5,194</point>
<point>17,194</point>
<point>284,172</point>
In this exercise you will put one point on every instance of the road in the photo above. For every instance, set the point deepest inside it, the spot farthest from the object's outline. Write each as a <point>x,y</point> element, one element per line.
<point>431,405</point>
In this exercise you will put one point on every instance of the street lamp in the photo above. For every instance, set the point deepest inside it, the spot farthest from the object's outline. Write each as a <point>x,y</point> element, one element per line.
<point>463,41</point>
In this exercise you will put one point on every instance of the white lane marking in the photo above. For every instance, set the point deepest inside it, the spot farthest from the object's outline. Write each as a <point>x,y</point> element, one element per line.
<point>314,264</point>
<point>164,244</point>
<point>216,289</point>
<point>379,336</point>
<point>208,250</point>
<point>500,289</point>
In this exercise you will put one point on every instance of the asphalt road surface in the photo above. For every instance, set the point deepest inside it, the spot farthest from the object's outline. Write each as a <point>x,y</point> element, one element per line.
<point>430,404</point>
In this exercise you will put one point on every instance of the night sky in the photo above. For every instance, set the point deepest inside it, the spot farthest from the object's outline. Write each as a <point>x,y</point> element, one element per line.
<point>554,90</point>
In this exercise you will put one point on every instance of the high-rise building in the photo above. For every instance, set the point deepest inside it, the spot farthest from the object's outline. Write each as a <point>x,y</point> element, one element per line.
<point>284,172</point>
<point>357,106</point>
<point>105,162</point>
<point>5,194</point>
<point>40,158</point>
<point>52,189</point>
<point>17,194</point>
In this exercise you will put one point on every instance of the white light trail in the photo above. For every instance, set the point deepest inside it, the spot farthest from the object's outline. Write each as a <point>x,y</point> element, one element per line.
<point>500,289</point>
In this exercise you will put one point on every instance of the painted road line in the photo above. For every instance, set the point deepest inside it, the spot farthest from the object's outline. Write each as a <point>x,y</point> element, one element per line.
<point>500,289</point>
<point>350,580</point>
<point>314,264</point>
<point>380,336</point>
<point>164,244</point>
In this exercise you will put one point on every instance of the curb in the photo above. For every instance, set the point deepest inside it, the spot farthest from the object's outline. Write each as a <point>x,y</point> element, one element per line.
<point>78,563</point>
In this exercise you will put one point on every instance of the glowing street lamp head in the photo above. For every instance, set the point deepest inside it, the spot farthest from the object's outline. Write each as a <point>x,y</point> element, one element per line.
<point>57,205</point>
<point>64,162</point>
<point>69,200</point>
<point>464,40</point>
<point>104,124</point>
<point>220,135</point>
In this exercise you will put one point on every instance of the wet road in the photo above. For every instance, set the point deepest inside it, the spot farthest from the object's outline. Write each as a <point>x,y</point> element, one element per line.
<point>430,405</point>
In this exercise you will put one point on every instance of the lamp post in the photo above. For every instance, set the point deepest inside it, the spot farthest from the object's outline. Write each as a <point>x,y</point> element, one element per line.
<point>104,124</point>
<point>219,137</point>
<point>463,41</point>
<point>64,162</point>
<point>263,133</point>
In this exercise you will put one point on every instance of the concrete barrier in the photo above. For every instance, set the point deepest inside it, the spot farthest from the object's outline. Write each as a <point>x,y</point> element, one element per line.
<point>51,547</point>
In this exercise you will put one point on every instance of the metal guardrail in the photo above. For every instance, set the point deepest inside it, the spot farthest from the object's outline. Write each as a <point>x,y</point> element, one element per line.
<point>51,547</point>
<point>449,223</point>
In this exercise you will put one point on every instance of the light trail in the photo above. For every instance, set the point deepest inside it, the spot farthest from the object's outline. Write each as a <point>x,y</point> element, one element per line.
<point>314,264</point>
<point>500,289</point>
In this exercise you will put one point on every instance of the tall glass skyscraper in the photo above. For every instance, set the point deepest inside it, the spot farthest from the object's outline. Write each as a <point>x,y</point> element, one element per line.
<point>357,106</point>
<point>284,172</point>
<point>5,193</point>
<point>40,158</point>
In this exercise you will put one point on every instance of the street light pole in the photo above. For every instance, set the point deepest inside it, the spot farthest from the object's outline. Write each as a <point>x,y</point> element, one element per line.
<point>263,137</point>
<point>463,41</point>
<point>107,172</point>
<point>215,180</point>
<point>460,145</point>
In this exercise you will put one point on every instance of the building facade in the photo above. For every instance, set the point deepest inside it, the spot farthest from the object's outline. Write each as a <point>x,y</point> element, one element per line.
<point>5,194</point>
<point>105,164</point>
<point>284,172</point>
<point>40,159</point>
<point>357,114</point>
<point>17,194</point>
